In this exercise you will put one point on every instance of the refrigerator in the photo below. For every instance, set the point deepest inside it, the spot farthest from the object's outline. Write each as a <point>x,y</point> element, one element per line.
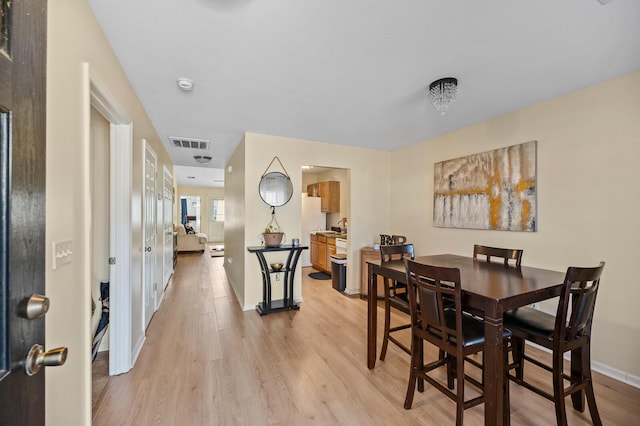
<point>312,220</point>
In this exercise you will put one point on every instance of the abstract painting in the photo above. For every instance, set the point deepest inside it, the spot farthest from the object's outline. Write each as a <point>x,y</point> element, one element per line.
<point>491,190</point>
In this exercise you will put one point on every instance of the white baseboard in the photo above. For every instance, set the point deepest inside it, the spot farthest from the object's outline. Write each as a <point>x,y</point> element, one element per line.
<point>616,374</point>
<point>604,369</point>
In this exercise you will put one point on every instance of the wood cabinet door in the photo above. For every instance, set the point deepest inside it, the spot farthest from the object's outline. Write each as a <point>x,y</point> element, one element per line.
<point>333,202</point>
<point>314,253</point>
<point>322,256</point>
<point>323,192</point>
<point>331,249</point>
<point>312,191</point>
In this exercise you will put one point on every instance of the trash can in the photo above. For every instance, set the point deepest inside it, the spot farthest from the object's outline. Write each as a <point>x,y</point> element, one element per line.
<point>339,271</point>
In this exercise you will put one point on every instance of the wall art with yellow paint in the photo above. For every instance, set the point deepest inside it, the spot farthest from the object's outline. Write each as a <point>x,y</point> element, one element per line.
<point>491,190</point>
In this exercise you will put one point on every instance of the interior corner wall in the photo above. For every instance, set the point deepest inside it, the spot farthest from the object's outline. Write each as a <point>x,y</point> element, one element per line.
<point>587,197</point>
<point>235,220</point>
<point>74,38</point>
<point>369,199</point>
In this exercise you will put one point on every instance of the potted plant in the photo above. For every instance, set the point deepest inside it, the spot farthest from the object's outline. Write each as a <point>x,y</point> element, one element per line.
<point>272,236</point>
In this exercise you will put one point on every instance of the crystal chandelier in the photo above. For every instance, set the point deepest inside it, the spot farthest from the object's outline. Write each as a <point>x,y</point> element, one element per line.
<point>443,93</point>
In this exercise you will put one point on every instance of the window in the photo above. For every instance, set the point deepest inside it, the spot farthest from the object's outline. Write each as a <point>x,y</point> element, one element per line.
<point>217,210</point>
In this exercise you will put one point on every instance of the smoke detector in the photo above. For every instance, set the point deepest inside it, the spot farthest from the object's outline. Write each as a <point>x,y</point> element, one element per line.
<point>185,84</point>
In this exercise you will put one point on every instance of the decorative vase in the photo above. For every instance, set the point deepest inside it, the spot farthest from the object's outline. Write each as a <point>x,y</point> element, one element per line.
<point>272,239</point>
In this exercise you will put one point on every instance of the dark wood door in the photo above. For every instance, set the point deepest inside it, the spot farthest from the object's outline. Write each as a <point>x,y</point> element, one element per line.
<point>22,204</point>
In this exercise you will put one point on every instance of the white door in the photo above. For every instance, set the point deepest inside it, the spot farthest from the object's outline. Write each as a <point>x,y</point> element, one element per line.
<point>149,226</point>
<point>167,225</point>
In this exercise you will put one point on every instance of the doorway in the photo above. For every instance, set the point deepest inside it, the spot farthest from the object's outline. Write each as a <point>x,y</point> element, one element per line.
<point>316,216</point>
<point>99,149</point>
<point>216,220</point>
<point>190,211</point>
<point>123,335</point>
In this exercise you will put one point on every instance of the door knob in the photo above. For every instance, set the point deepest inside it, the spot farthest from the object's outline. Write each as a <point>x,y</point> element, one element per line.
<point>37,358</point>
<point>147,249</point>
<point>33,307</point>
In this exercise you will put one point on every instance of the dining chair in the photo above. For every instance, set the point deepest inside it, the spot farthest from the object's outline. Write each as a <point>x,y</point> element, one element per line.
<point>395,296</point>
<point>489,252</point>
<point>432,290</point>
<point>503,253</point>
<point>568,330</point>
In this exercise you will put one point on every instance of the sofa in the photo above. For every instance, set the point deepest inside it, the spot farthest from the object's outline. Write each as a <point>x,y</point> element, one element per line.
<point>190,242</point>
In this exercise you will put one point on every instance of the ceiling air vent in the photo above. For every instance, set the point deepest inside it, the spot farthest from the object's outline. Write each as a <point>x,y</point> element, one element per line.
<point>189,143</point>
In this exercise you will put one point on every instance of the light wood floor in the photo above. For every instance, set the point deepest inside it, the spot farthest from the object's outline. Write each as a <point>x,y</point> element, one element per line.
<point>206,362</point>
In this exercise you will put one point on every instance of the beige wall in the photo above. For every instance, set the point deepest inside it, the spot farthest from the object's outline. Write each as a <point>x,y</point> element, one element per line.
<point>204,193</point>
<point>74,37</point>
<point>369,173</point>
<point>588,200</point>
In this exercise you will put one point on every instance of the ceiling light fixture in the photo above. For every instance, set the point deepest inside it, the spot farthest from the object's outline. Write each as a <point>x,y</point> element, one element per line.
<point>443,93</point>
<point>185,84</point>
<point>202,159</point>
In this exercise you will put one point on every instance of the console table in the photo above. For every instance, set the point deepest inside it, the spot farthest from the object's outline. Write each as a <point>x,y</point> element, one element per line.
<point>267,305</point>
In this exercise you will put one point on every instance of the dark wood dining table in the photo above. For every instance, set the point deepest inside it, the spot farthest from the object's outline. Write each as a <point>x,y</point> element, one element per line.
<point>491,287</point>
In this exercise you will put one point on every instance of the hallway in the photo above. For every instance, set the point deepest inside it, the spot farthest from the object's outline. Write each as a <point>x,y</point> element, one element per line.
<point>206,362</point>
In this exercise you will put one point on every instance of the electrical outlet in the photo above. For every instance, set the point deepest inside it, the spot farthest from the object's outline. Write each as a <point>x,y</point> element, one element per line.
<point>62,253</point>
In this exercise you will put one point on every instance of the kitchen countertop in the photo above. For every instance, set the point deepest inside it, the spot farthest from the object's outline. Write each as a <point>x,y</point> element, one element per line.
<point>332,234</point>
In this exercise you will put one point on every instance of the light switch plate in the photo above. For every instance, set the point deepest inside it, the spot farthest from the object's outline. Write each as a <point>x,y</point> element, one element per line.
<point>62,253</point>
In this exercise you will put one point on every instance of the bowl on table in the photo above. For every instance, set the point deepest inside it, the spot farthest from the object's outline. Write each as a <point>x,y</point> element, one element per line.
<point>276,266</point>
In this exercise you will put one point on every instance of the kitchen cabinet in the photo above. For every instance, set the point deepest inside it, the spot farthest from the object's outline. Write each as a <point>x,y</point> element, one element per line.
<point>329,193</point>
<point>322,247</point>
<point>320,254</point>
<point>331,249</point>
<point>314,250</point>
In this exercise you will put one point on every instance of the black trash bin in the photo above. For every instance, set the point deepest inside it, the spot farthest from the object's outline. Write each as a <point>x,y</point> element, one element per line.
<point>339,271</point>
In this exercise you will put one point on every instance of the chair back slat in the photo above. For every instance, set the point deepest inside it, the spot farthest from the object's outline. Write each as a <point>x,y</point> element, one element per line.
<point>577,302</point>
<point>432,290</point>
<point>396,252</point>
<point>503,253</point>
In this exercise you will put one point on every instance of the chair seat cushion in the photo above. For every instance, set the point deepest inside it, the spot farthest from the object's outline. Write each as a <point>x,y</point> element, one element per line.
<point>472,328</point>
<point>530,321</point>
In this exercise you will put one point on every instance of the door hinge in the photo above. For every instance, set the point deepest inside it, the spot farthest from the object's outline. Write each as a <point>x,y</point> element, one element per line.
<point>112,261</point>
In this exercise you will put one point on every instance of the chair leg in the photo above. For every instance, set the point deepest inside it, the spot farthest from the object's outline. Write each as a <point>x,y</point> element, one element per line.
<point>591,397</point>
<point>451,371</point>
<point>411,387</point>
<point>506,415</point>
<point>387,325</point>
<point>460,391</point>
<point>517,345</point>
<point>420,350</point>
<point>558,389</point>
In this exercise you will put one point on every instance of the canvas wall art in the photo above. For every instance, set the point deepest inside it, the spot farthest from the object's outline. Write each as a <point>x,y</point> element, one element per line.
<point>490,190</point>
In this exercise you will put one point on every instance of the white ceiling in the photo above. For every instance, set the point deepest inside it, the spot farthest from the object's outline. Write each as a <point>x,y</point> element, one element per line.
<point>356,72</point>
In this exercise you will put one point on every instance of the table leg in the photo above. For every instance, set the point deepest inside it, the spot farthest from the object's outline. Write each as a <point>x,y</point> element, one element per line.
<point>372,311</point>
<point>495,410</point>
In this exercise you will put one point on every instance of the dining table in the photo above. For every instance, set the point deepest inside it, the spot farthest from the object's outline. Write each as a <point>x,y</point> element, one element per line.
<point>492,288</point>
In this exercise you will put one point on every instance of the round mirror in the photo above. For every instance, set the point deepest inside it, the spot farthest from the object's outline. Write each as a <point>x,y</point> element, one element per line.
<point>275,189</point>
